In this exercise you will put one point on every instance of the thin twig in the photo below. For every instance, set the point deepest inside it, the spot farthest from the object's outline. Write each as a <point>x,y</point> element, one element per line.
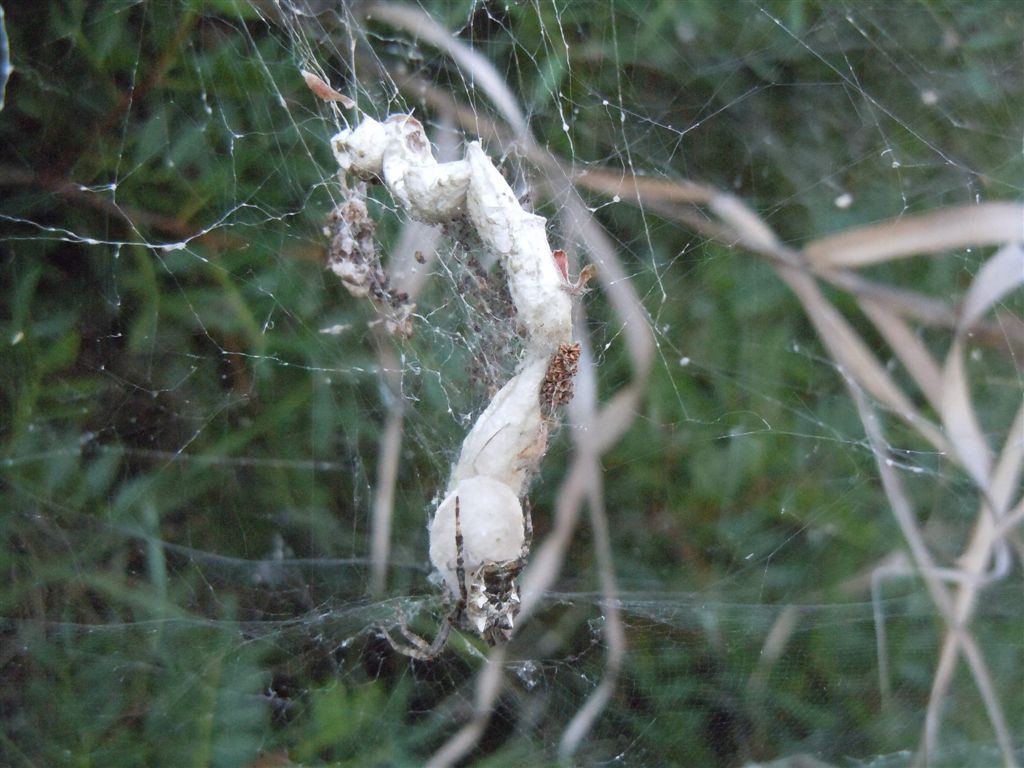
<point>409,277</point>
<point>614,631</point>
<point>388,454</point>
<point>489,682</point>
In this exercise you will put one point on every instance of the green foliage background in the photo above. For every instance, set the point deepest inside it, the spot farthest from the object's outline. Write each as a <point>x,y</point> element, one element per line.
<point>171,417</point>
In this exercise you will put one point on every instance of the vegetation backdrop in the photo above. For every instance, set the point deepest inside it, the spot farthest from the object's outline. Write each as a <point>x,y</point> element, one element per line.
<point>216,471</point>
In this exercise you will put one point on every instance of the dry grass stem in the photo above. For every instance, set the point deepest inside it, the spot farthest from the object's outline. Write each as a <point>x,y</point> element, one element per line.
<point>489,682</point>
<point>409,277</point>
<point>607,424</point>
<point>900,505</point>
<point>960,438</point>
<point>486,78</point>
<point>388,454</point>
<point>1000,275</point>
<point>727,220</point>
<point>583,421</point>
<point>1005,332</point>
<point>928,233</point>
<point>908,347</point>
<point>986,536</point>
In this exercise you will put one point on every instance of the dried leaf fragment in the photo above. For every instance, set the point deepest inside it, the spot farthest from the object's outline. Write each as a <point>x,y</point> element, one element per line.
<point>352,256</point>
<point>557,388</point>
<point>316,84</point>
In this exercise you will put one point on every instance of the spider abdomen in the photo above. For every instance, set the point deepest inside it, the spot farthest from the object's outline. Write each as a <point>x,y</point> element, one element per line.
<point>492,528</point>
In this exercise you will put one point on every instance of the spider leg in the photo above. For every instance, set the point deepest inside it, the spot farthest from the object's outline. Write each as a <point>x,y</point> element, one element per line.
<point>460,564</point>
<point>412,637</point>
<point>527,529</point>
<point>416,652</point>
<point>419,648</point>
<point>442,637</point>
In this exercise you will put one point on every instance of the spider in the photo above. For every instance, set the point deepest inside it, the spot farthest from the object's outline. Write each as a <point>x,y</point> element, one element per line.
<point>489,604</point>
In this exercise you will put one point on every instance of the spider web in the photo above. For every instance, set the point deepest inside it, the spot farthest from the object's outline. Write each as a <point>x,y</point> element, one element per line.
<point>218,466</point>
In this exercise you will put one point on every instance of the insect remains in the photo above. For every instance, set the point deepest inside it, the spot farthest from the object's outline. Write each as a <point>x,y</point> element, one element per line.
<point>488,601</point>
